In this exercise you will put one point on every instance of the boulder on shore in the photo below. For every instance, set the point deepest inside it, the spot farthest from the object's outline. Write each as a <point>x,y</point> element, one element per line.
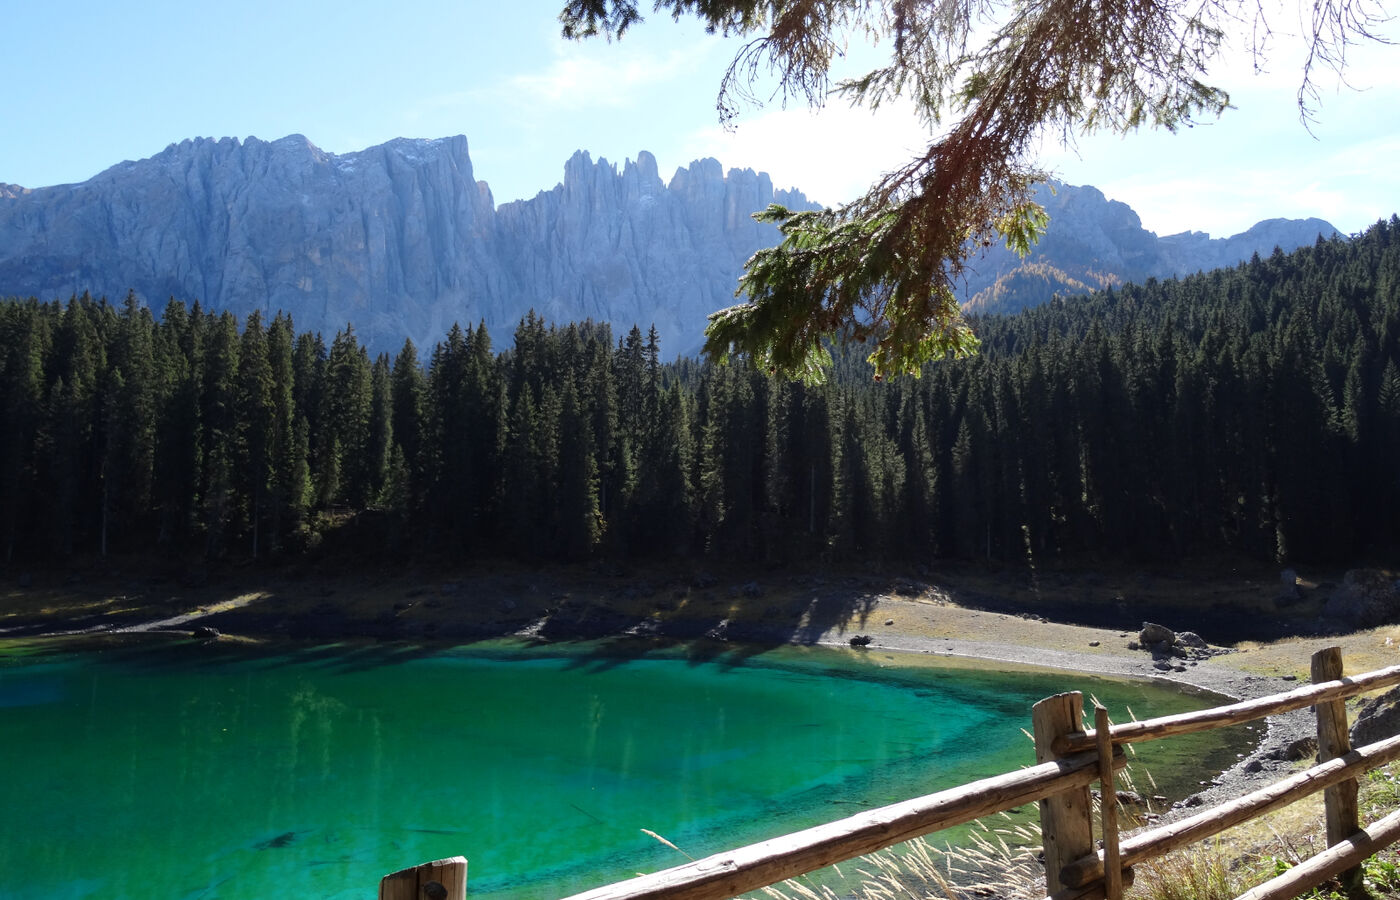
<point>1365,599</point>
<point>1152,633</point>
<point>1166,645</point>
<point>1378,719</point>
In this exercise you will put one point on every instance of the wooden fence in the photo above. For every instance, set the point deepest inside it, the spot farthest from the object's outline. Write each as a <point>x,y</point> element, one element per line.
<point>1069,758</point>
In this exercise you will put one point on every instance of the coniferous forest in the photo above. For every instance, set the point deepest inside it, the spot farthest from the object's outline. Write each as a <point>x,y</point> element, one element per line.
<point>1253,410</point>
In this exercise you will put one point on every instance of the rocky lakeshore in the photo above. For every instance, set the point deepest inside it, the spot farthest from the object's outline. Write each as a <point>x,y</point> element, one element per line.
<point>1288,738</point>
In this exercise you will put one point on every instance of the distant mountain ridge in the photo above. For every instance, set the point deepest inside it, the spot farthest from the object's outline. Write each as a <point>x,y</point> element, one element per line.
<point>399,239</point>
<point>1094,242</point>
<point>402,240</point>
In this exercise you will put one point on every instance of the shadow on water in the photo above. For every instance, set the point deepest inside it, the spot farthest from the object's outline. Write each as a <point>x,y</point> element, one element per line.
<point>754,626</point>
<point>593,634</point>
<point>156,652</point>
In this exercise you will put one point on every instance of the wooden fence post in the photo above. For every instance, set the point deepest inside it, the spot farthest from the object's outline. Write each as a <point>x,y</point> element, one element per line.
<point>441,879</point>
<point>1334,740</point>
<point>1108,807</point>
<point>1066,819</point>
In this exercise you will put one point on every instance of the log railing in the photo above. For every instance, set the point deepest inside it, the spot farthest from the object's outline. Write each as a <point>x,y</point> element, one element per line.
<point>1069,759</point>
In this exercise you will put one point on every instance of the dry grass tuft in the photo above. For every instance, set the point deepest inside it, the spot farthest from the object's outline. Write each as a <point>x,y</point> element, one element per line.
<point>996,861</point>
<point>1200,873</point>
<point>1003,861</point>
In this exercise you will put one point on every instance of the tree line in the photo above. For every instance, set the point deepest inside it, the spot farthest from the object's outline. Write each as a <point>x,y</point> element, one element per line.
<point>1254,409</point>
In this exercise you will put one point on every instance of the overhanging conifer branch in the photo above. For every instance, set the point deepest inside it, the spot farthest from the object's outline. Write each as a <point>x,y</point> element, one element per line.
<point>885,266</point>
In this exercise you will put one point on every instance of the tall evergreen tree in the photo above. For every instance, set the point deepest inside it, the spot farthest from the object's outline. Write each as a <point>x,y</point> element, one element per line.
<point>579,522</point>
<point>289,482</point>
<point>219,416</point>
<point>257,413</point>
<point>407,388</point>
<point>179,439</point>
<point>24,344</point>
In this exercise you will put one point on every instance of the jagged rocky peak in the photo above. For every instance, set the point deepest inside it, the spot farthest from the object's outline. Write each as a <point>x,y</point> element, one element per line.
<point>297,150</point>
<point>596,182</point>
<point>644,168</point>
<point>641,181</point>
<point>704,170</point>
<point>199,144</point>
<point>637,180</point>
<point>617,244</point>
<point>416,151</point>
<point>702,181</point>
<point>402,240</point>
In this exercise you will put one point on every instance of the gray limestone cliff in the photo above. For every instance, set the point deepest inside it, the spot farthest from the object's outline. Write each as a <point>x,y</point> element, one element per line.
<point>627,248</point>
<point>402,240</point>
<point>399,239</point>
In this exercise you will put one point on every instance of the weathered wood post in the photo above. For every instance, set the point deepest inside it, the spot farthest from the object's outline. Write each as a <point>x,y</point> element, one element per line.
<point>1334,740</point>
<point>1108,807</point>
<point>1066,819</point>
<point>441,879</point>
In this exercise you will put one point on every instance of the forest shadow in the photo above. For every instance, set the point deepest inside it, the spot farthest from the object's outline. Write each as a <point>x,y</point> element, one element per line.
<point>355,622</point>
<point>753,621</point>
<point>356,618</point>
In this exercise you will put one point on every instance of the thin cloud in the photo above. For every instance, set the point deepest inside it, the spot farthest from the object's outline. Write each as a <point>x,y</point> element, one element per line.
<point>610,76</point>
<point>1374,158</point>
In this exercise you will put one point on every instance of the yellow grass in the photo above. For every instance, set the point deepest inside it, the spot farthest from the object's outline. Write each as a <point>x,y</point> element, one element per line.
<point>1362,651</point>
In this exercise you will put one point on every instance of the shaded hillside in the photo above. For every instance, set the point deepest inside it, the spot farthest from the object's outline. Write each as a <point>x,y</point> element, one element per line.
<point>1093,242</point>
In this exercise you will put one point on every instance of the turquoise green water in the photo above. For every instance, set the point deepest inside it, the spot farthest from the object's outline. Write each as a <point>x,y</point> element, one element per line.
<point>174,772</point>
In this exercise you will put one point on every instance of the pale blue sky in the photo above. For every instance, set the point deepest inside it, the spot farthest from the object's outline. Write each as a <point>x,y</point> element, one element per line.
<point>91,84</point>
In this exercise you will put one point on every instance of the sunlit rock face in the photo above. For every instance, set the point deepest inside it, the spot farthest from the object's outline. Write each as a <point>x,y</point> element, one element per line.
<point>626,247</point>
<point>380,238</point>
<point>401,240</point>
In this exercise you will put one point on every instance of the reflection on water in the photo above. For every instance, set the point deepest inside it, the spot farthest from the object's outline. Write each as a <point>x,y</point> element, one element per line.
<point>187,772</point>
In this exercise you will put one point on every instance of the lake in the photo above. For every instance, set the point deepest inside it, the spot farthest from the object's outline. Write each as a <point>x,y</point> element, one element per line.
<point>183,771</point>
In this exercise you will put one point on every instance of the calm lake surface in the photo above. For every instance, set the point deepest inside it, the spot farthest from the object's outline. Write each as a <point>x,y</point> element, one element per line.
<point>181,772</point>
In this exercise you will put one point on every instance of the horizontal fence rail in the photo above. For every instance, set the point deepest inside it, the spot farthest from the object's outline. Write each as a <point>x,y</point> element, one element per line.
<point>1069,759</point>
<point>1331,862</point>
<point>759,865</point>
<point>1158,841</point>
<point>1235,713</point>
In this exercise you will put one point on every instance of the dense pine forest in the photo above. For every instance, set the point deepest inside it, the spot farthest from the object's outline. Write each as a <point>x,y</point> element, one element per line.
<point>1253,410</point>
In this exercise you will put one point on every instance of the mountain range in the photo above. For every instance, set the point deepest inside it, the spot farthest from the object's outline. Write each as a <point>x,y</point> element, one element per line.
<point>1093,242</point>
<point>401,240</point>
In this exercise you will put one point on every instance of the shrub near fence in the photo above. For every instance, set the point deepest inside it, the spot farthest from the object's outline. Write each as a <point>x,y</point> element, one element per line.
<point>1069,758</point>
